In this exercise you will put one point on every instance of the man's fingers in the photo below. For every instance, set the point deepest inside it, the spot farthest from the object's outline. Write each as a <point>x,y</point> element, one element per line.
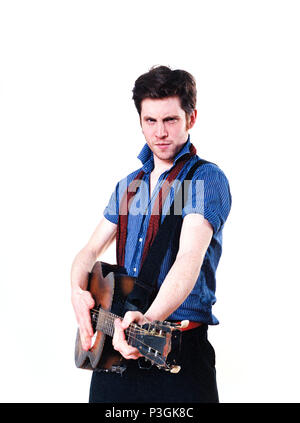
<point>89,301</point>
<point>86,329</point>
<point>120,344</point>
<point>83,302</point>
<point>84,323</point>
<point>119,335</point>
<point>85,339</point>
<point>132,316</point>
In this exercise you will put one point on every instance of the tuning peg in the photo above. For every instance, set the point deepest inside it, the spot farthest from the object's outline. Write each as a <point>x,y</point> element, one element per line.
<point>175,369</point>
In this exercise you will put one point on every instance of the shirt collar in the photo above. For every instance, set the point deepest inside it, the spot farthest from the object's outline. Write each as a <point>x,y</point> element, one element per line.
<point>146,156</point>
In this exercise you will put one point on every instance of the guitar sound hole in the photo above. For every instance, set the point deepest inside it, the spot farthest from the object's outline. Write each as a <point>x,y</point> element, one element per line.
<point>94,318</point>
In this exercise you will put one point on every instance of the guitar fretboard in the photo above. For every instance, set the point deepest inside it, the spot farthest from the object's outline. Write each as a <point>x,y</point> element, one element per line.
<point>105,324</point>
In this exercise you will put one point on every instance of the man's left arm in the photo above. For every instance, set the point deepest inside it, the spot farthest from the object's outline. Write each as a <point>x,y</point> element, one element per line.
<point>195,237</point>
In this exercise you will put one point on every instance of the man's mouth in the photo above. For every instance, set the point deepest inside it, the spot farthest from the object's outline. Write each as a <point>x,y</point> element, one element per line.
<point>162,145</point>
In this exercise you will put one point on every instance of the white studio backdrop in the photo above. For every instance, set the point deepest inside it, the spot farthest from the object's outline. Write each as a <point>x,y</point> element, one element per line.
<point>69,132</point>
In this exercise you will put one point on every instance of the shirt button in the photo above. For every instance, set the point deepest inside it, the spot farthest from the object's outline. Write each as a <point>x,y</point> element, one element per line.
<point>141,239</point>
<point>134,269</point>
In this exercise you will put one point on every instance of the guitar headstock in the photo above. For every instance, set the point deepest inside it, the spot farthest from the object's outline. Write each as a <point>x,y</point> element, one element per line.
<point>156,340</point>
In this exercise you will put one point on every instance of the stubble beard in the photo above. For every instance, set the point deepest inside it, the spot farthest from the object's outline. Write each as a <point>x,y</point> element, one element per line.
<point>167,156</point>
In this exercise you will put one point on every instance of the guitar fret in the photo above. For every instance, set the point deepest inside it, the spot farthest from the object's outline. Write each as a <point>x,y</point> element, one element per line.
<point>105,324</point>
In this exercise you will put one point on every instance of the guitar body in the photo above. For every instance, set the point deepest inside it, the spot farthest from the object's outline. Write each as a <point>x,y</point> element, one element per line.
<point>109,290</point>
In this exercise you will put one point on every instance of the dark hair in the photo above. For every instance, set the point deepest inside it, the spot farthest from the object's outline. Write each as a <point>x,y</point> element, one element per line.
<point>162,82</point>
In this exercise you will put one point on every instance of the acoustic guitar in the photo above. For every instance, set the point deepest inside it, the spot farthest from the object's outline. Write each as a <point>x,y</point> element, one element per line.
<point>158,342</point>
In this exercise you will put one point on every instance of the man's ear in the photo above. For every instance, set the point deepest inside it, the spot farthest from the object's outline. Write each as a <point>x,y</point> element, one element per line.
<point>140,119</point>
<point>192,119</point>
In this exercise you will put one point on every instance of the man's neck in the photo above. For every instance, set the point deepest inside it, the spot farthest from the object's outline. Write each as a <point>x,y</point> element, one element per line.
<point>161,166</point>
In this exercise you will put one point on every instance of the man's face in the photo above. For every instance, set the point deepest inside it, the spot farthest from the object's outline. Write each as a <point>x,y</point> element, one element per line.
<point>165,126</point>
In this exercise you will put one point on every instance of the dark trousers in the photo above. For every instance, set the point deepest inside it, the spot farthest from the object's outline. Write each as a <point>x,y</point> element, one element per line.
<point>196,381</point>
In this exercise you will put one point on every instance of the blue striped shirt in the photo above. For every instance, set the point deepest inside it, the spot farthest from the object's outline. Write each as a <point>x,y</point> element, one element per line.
<point>209,195</point>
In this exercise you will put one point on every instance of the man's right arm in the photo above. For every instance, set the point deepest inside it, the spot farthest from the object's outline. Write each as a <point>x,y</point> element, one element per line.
<point>83,263</point>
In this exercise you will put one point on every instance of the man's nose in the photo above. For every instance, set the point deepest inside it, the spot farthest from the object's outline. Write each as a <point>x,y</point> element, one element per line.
<point>161,131</point>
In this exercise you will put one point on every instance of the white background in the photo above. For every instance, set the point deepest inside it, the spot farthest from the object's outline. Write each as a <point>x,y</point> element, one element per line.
<point>69,131</point>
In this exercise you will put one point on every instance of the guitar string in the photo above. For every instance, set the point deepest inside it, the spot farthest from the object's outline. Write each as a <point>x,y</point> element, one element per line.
<point>111,325</point>
<point>130,327</point>
<point>138,330</point>
<point>143,343</point>
<point>110,316</point>
<point>114,316</point>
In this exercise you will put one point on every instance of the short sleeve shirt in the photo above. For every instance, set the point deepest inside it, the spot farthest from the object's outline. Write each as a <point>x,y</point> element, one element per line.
<point>208,195</point>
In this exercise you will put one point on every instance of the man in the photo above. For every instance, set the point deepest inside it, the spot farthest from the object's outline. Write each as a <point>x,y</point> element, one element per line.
<point>166,102</point>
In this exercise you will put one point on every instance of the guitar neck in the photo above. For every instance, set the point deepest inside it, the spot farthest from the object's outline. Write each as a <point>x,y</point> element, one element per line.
<point>106,321</point>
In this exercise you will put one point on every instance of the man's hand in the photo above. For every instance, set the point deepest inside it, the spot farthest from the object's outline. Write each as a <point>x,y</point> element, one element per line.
<point>82,303</point>
<point>83,263</point>
<point>119,342</point>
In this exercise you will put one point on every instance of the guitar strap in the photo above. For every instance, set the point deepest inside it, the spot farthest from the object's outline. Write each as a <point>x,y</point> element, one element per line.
<point>145,287</point>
